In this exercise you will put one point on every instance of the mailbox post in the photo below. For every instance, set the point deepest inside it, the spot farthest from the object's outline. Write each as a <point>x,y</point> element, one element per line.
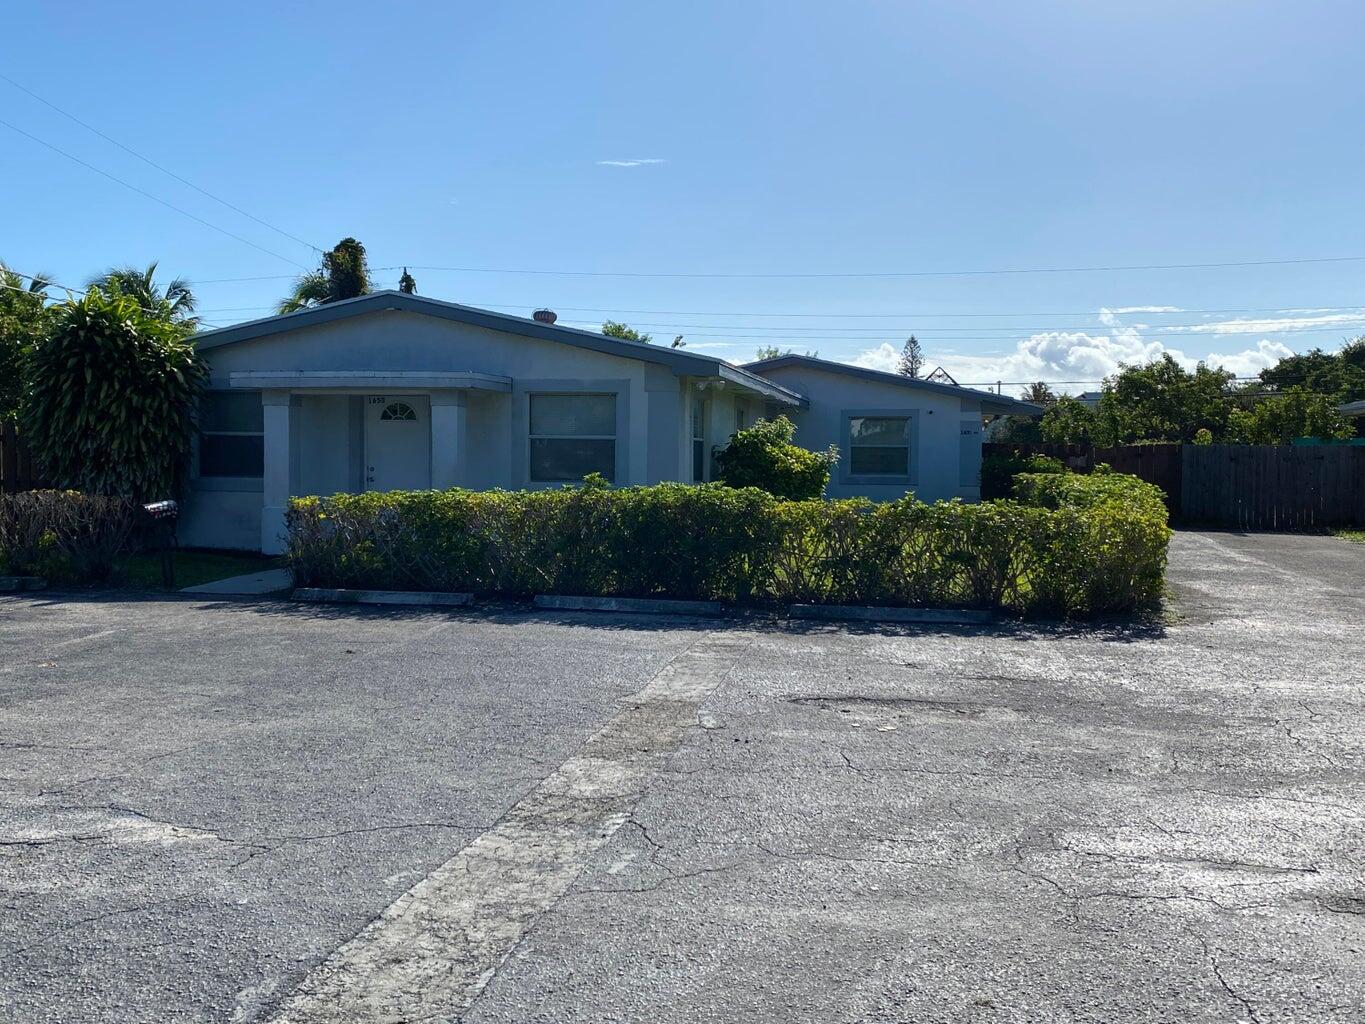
<point>163,516</point>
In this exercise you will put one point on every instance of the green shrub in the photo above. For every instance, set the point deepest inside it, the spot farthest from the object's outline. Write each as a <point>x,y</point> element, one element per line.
<point>64,536</point>
<point>112,393</point>
<point>999,470</point>
<point>764,456</point>
<point>1081,546</point>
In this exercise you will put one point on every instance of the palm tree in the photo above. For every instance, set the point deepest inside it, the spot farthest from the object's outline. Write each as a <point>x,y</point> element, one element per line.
<point>175,301</point>
<point>344,274</point>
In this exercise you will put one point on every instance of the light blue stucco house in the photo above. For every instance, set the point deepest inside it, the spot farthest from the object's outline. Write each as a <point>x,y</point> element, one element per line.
<point>391,391</point>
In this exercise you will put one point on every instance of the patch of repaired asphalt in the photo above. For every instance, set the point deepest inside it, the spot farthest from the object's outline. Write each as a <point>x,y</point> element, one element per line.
<point>431,953</point>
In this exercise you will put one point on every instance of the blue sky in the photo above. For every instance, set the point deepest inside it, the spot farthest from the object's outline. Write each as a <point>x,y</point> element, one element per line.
<point>729,139</point>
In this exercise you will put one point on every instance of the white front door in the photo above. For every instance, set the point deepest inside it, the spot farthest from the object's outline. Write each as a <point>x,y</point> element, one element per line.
<point>397,442</point>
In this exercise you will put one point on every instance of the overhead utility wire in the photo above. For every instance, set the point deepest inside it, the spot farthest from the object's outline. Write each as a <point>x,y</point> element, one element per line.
<point>152,163</point>
<point>897,273</point>
<point>79,291</point>
<point>148,195</point>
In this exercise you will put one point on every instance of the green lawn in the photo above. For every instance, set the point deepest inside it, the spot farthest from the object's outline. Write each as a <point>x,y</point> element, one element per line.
<point>192,567</point>
<point>1353,535</point>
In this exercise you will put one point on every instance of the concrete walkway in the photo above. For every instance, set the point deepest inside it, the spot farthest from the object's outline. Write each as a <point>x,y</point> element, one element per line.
<point>252,584</point>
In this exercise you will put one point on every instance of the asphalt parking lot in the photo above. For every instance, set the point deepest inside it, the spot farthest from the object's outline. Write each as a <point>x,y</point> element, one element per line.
<point>258,811</point>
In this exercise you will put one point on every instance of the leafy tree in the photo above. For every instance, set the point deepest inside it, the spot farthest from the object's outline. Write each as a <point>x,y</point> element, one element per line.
<point>1338,375</point>
<point>1068,421</point>
<point>407,284</point>
<point>912,358</point>
<point>678,342</point>
<point>614,329</point>
<point>1298,413</point>
<point>344,274</point>
<point>1039,394</point>
<point>1016,430</point>
<point>174,303</point>
<point>112,391</point>
<point>773,352</point>
<point>1162,401</point>
<point>24,320</point>
<point>765,457</point>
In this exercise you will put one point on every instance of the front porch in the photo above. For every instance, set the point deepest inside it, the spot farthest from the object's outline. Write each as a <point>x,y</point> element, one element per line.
<point>328,433</point>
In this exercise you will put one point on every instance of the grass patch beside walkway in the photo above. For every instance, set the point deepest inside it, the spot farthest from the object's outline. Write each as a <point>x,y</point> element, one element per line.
<point>192,567</point>
<point>1357,536</point>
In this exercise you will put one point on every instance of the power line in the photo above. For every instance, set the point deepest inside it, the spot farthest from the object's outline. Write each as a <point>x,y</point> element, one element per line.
<point>152,163</point>
<point>898,273</point>
<point>79,291</point>
<point>148,195</point>
<point>1245,327</point>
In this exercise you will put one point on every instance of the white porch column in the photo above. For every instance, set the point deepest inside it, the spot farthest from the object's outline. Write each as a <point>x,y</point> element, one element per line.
<point>448,434</point>
<point>275,478</point>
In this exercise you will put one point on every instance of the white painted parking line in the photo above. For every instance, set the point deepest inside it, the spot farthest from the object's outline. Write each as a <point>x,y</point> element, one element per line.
<point>432,952</point>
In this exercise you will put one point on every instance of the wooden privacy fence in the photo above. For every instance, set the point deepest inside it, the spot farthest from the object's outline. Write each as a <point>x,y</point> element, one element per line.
<point>1265,487</point>
<point>1159,464</point>
<point>17,472</point>
<point>1252,487</point>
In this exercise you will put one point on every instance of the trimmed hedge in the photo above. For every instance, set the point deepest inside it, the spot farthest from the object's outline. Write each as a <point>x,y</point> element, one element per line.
<point>64,536</point>
<point>1071,551</point>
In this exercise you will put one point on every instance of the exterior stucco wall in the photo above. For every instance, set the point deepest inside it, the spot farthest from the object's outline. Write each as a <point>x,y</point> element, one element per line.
<point>941,469</point>
<point>326,439</point>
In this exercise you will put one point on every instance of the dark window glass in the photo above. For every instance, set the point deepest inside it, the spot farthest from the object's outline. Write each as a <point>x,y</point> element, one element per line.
<point>569,460</point>
<point>232,455</point>
<point>235,412</point>
<point>878,461</point>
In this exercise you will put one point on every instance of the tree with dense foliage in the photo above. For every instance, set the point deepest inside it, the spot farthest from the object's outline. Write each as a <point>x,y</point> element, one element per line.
<point>1299,412</point>
<point>23,322</point>
<point>1340,376</point>
<point>344,274</point>
<point>1068,421</point>
<point>407,284</point>
<point>624,332</point>
<point>912,358</point>
<point>112,393</point>
<point>764,456</point>
<point>1162,401</point>
<point>1039,393</point>
<point>174,302</point>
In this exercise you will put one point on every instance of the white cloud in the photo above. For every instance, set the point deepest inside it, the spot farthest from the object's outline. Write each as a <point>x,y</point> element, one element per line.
<point>1270,326</point>
<point>639,162</point>
<point>1076,356</point>
<point>1252,361</point>
<point>885,356</point>
<point>1148,309</point>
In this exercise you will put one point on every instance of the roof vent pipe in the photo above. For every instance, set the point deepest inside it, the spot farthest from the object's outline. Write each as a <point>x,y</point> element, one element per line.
<point>544,316</point>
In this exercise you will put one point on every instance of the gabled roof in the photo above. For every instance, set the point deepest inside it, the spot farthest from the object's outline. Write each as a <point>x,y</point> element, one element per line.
<point>1353,409</point>
<point>989,402</point>
<point>677,360</point>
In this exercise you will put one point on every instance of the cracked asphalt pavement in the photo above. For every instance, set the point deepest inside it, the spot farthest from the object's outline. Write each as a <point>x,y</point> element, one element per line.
<point>217,811</point>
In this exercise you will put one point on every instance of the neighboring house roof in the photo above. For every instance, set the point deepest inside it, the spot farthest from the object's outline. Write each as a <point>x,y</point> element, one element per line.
<point>991,403</point>
<point>689,363</point>
<point>1090,399</point>
<point>1353,409</point>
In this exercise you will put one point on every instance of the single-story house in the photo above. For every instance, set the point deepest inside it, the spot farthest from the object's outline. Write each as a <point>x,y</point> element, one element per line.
<point>391,391</point>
